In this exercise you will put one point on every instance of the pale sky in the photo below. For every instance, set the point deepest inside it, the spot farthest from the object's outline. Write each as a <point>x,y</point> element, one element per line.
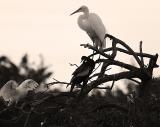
<point>45,27</point>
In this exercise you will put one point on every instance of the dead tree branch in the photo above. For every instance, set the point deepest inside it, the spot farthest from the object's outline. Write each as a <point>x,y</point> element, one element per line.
<point>95,49</point>
<point>142,73</point>
<point>127,47</point>
<point>124,51</point>
<point>107,78</point>
<point>118,63</point>
<point>140,47</point>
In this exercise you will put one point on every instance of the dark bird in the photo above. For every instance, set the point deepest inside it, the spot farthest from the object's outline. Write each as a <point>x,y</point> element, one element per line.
<point>82,73</point>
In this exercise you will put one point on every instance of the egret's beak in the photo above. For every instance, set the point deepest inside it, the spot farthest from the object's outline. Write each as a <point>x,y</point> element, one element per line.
<point>76,11</point>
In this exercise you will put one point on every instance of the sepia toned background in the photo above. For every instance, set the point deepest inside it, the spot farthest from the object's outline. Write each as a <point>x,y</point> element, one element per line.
<point>45,27</point>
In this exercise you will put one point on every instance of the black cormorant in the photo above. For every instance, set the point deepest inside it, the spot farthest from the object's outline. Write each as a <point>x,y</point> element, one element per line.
<point>82,73</point>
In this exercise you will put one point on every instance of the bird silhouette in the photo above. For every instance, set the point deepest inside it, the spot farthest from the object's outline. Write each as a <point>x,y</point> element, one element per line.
<point>82,73</point>
<point>11,92</point>
<point>93,25</point>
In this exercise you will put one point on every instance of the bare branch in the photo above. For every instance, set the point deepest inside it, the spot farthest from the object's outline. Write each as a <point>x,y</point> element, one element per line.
<point>115,77</point>
<point>118,63</point>
<point>114,51</point>
<point>152,63</point>
<point>103,69</point>
<point>112,84</point>
<point>141,53</point>
<point>124,51</point>
<point>73,64</point>
<point>127,47</point>
<point>96,67</point>
<point>135,81</point>
<point>55,79</point>
<point>94,75</point>
<point>57,82</point>
<point>95,49</point>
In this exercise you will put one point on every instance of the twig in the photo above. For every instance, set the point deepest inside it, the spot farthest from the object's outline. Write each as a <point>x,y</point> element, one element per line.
<point>141,53</point>
<point>114,51</point>
<point>73,64</point>
<point>97,67</point>
<point>98,73</point>
<point>112,84</point>
<point>37,102</point>
<point>108,69</point>
<point>95,49</point>
<point>93,75</point>
<point>55,79</point>
<point>28,116</point>
<point>134,80</point>
<point>57,82</point>
<point>103,69</point>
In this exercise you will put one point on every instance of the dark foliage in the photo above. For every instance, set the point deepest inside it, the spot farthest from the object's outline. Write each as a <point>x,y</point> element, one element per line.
<point>10,71</point>
<point>94,111</point>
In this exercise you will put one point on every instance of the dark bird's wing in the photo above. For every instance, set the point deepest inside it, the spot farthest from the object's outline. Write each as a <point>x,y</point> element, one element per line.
<point>80,72</point>
<point>84,72</point>
<point>79,69</point>
<point>80,77</point>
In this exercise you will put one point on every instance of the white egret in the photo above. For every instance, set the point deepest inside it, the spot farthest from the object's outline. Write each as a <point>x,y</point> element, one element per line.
<point>11,92</point>
<point>93,25</point>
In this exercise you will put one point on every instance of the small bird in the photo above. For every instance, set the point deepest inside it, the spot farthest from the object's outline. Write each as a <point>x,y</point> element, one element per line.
<point>82,73</point>
<point>93,25</point>
<point>11,92</point>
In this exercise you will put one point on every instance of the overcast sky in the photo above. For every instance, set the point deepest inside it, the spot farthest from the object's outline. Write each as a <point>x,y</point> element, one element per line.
<point>45,27</point>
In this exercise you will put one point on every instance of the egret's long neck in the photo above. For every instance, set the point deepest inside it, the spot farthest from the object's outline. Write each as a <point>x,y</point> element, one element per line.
<point>86,12</point>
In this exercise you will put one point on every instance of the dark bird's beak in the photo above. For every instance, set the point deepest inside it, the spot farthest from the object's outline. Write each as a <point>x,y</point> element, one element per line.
<point>75,11</point>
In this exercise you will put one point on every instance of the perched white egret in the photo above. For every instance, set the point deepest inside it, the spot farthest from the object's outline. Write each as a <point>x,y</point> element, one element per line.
<point>11,92</point>
<point>93,25</point>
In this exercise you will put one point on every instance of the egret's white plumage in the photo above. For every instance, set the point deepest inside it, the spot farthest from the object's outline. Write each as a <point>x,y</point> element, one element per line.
<point>12,93</point>
<point>8,91</point>
<point>93,25</point>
